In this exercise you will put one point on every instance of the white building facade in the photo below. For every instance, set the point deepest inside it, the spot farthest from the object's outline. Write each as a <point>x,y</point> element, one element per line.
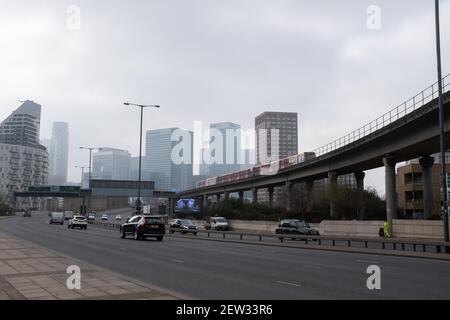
<point>23,161</point>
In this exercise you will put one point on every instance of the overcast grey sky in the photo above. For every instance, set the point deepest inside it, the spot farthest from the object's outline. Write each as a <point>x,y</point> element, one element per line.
<point>214,61</point>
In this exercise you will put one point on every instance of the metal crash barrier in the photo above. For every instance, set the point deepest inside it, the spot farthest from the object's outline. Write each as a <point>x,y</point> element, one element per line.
<point>333,241</point>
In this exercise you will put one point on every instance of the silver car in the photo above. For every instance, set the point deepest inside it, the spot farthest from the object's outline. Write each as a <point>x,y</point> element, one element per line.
<point>56,217</point>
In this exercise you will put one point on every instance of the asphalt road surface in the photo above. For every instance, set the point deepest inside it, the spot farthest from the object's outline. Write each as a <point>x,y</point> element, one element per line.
<point>203,269</point>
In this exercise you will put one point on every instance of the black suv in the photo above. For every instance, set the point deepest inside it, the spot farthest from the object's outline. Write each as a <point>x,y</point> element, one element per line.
<point>143,226</point>
<point>295,227</point>
<point>184,226</point>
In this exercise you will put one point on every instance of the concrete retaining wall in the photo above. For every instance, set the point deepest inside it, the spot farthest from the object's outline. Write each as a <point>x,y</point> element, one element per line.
<point>350,228</point>
<point>419,229</point>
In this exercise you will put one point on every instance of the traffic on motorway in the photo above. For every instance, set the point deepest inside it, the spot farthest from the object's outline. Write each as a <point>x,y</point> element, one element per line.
<point>141,227</point>
<point>178,253</point>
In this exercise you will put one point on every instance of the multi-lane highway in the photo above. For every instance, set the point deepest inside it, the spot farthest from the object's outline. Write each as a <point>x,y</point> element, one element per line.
<point>204,269</point>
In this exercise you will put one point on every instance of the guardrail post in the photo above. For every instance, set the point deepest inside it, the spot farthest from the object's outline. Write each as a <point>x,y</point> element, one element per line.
<point>394,245</point>
<point>260,238</point>
<point>349,243</point>
<point>438,249</point>
<point>334,242</point>
<point>306,241</point>
<point>403,247</point>
<point>208,234</point>
<point>424,247</point>
<point>320,242</point>
<point>224,235</point>
<point>383,245</point>
<point>241,236</point>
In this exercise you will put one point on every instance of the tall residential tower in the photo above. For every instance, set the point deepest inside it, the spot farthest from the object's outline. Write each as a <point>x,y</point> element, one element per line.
<point>23,161</point>
<point>276,138</point>
<point>267,125</point>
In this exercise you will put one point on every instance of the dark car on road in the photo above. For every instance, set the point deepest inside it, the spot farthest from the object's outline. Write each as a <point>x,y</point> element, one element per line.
<point>91,217</point>
<point>295,227</point>
<point>184,226</point>
<point>142,227</point>
<point>26,214</point>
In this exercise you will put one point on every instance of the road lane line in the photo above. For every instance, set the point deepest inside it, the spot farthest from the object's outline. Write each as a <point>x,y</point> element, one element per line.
<point>312,267</point>
<point>288,283</point>
<point>177,261</point>
<point>368,261</point>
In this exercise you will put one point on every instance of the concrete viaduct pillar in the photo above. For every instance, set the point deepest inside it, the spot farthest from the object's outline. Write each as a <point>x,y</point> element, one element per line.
<point>271,191</point>
<point>241,196</point>
<point>289,195</point>
<point>254,195</point>
<point>205,202</point>
<point>359,176</point>
<point>309,193</point>
<point>427,163</point>
<point>332,182</point>
<point>391,193</point>
<point>218,196</point>
<point>227,196</point>
<point>170,206</point>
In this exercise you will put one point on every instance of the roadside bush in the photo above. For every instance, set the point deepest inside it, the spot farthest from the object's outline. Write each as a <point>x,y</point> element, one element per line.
<point>350,204</point>
<point>238,210</point>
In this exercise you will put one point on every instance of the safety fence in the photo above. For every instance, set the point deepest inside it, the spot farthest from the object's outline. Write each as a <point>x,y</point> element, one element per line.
<point>419,100</point>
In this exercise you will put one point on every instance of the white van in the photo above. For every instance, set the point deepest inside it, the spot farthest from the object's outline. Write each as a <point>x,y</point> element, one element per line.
<point>217,223</point>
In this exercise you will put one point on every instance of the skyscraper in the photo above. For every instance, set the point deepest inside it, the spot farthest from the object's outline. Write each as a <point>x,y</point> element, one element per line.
<point>162,158</point>
<point>23,161</point>
<point>224,153</point>
<point>111,164</point>
<point>286,145</point>
<point>249,158</point>
<point>273,145</point>
<point>59,154</point>
<point>134,169</point>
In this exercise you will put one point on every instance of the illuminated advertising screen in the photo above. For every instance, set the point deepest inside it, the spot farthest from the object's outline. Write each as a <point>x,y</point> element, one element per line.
<point>187,206</point>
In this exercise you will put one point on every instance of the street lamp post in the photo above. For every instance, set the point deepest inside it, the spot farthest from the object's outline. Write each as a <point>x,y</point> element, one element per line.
<point>441,125</point>
<point>83,205</point>
<point>82,174</point>
<point>90,164</point>
<point>141,106</point>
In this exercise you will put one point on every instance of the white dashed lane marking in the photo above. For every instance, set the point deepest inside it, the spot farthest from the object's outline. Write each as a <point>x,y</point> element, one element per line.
<point>288,283</point>
<point>177,261</point>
